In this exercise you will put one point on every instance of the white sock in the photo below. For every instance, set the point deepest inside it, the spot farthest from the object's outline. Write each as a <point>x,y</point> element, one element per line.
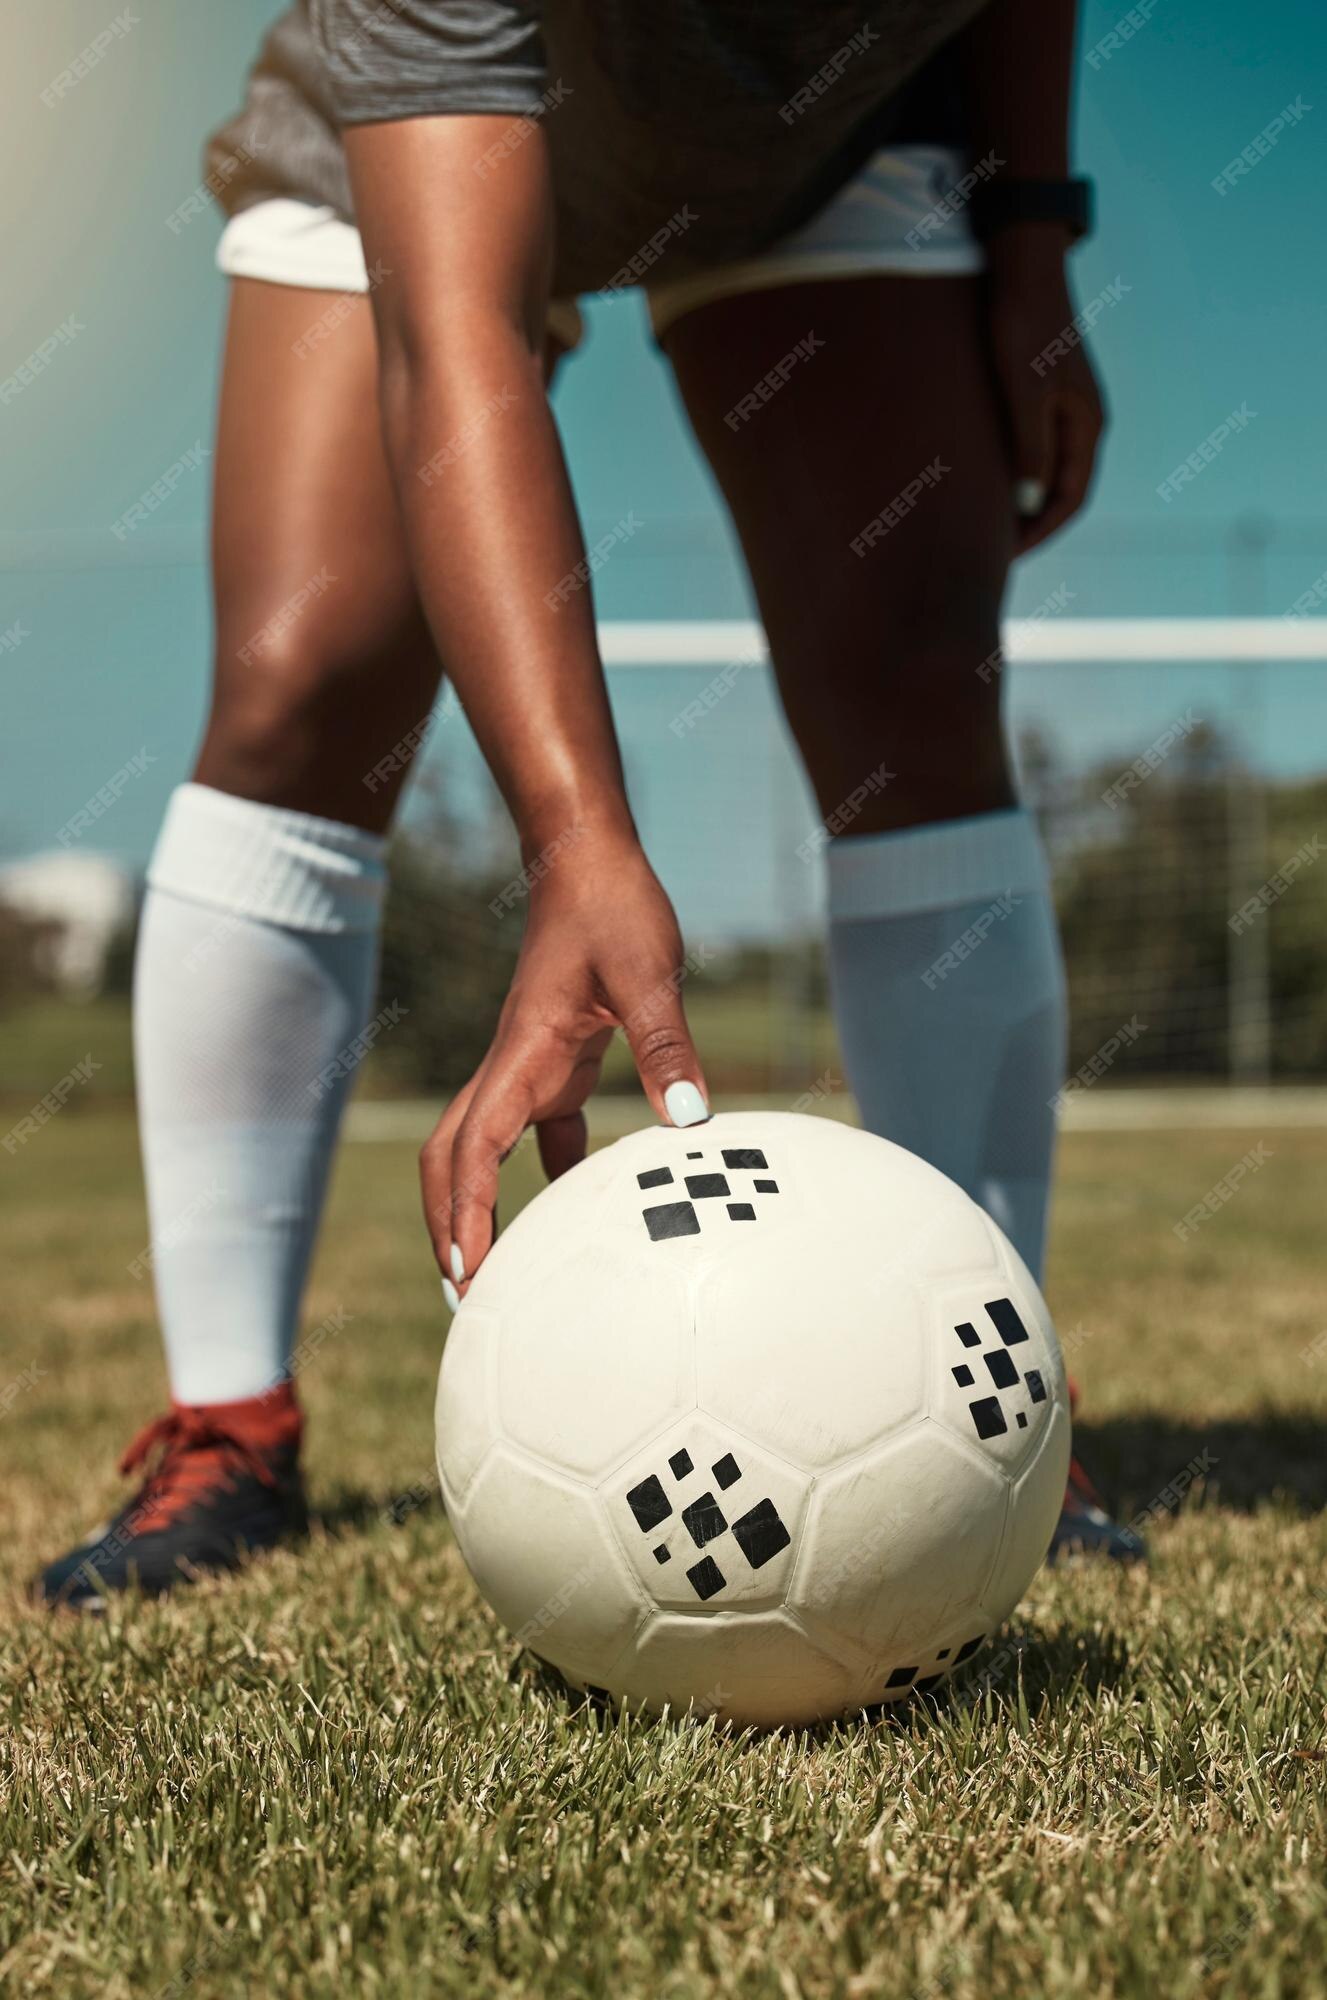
<point>256,968</point>
<point>949,995</point>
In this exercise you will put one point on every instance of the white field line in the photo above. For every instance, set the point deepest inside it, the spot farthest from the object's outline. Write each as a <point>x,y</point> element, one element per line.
<point>1135,1110</point>
<point>702,642</point>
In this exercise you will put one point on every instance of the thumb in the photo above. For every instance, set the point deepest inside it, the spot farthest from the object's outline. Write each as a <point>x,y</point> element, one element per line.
<point>1034,453</point>
<point>655,1026</point>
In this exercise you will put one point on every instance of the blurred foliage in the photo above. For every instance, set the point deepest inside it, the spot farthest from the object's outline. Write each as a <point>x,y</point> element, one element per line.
<point>1145,887</point>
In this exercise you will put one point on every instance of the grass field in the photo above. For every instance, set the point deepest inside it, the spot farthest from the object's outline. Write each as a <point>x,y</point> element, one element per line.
<point>335,1775</point>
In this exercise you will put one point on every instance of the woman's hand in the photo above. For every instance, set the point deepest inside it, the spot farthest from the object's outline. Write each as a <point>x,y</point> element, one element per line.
<point>1052,403</point>
<point>601,951</point>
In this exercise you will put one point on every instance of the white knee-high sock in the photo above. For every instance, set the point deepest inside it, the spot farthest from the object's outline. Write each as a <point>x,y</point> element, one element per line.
<point>949,994</point>
<point>257,960</point>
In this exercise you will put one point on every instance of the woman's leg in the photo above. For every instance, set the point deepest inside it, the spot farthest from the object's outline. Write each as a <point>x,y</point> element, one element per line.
<point>872,496</point>
<point>257,952</point>
<point>258,955</point>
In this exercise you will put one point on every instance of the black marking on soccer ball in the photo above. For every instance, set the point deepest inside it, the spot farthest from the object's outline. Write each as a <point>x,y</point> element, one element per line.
<point>967,1649</point>
<point>1000,1368</point>
<point>704,1520</point>
<point>760,1533</point>
<point>649,1503</point>
<point>987,1417</point>
<point>1005,1320</point>
<point>679,1218</point>
<point>987,1412</point>
<point>671,1218</point>
<point>706,1578</point>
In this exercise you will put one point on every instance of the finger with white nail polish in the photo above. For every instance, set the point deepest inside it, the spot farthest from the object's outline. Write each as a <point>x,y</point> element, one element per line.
<point>685,1105</point>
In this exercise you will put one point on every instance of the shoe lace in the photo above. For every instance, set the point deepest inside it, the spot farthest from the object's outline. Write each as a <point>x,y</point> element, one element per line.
<point>181,1451</point>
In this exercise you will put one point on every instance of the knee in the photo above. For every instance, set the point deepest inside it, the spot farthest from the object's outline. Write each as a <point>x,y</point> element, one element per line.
<point>276,693</point>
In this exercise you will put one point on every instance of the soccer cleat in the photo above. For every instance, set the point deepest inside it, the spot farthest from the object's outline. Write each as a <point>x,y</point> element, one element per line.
<point>1084,1526</point>
<point>221,1482</point>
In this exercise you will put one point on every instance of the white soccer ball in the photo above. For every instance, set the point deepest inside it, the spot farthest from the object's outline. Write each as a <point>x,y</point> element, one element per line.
<point>765,1419</point>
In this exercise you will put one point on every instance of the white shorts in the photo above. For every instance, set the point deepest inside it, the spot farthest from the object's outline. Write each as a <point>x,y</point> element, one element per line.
<point>898,216</point>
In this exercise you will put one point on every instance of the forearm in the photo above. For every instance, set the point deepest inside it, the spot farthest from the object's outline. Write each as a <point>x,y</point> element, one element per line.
<point>495,546</point>
<point>477,462</point>
<point>1018,64</point>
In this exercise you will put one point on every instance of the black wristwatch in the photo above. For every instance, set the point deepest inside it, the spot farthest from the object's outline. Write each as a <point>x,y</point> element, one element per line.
<point>996,203</point>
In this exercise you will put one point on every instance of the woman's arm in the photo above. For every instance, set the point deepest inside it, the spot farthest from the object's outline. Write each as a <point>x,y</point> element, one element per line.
<point>1018,66</point>
<point>495,545</point>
